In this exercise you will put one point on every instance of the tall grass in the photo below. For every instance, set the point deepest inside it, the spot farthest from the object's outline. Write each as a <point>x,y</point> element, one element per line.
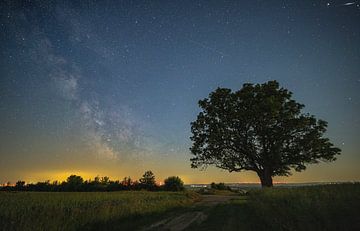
<point>327,207</point>
<point>78,210</point>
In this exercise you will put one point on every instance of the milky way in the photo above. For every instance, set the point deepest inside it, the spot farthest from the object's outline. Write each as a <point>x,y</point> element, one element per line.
<point>111,87</point>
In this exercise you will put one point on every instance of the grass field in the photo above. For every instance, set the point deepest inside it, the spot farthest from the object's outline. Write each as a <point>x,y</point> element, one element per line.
<point>87,210</point>
<point>327,207</point>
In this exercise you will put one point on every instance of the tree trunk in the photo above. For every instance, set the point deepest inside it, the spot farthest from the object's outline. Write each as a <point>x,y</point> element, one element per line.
<point>265,178</point>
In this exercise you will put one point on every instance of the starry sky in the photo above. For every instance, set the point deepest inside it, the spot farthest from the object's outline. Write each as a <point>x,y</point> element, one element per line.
<point>110,87</point>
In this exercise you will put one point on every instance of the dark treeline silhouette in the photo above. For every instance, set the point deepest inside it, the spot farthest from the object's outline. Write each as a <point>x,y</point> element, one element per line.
<point>76,183</point>
<point>219,186</point>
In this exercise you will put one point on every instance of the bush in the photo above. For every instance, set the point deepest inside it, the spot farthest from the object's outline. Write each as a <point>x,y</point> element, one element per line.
<point>173,183</point>
<point>219,186</point>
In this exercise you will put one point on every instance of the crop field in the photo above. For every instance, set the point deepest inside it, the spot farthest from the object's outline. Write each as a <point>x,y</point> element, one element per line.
<point>85,210</point>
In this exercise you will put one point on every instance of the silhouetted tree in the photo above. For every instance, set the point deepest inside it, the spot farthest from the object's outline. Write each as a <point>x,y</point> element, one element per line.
<point>148,181</point>
<point>127,183</point>
<point>258,128</point>
<point>173,183</point>
<point>105,180</point>
<point>114,186</point>
<point>74,183</point>
<point>75,180</point>
<point>219,186</point>
<point>42,186</point>
<point>97,179</point>
<point>20,185</point>
<point>136,185</point>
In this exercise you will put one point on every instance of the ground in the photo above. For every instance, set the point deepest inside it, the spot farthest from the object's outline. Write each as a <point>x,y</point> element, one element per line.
<point>321,207</point>
<point>200,212</point>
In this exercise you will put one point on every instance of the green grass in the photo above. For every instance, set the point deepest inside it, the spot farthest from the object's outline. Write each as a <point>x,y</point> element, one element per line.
<point>217,192</point>
<point>328,207</point>
<point>230,216</point>
<point>86,210</point>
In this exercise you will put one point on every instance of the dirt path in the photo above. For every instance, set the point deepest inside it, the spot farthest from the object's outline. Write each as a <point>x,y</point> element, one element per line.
<point>182,221</point>
<point>211,200</point>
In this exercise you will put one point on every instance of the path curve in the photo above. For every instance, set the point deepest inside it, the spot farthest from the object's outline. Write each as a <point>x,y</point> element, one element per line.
<point>182,221</point>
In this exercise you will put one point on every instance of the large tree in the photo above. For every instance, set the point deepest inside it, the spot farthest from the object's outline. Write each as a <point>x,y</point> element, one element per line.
<point>258,128</point>
<point>148,181</point>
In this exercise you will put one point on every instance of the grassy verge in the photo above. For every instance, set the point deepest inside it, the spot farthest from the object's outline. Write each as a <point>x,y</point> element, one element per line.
<point>230,216</point>
<point>328,207</point>
<point>218,192</point>
<point>98,210</point>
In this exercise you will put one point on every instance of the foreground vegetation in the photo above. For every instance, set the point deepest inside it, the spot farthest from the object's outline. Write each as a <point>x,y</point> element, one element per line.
<point>326,207</point>
<point>86,210</point>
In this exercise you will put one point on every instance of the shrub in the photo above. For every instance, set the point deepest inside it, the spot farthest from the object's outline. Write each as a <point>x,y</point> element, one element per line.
<point>173,183</point>
<point>219,186</point>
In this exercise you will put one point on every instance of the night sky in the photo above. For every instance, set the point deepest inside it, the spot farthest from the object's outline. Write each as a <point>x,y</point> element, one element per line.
<point>110,87</point>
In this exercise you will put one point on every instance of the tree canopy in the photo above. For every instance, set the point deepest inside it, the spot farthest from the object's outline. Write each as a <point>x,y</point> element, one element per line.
<point>148,180</point>
<point>258,128</point>
<point>173,183</point>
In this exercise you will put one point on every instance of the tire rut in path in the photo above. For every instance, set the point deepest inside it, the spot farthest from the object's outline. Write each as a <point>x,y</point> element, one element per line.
<point>184,220</point>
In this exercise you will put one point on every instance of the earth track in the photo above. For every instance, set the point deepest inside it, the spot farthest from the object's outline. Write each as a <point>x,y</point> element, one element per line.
<point>180,222</point>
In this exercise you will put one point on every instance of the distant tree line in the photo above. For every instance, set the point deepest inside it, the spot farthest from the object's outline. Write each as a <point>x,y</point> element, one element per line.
<point>76,183</point>
<point>219,186</point>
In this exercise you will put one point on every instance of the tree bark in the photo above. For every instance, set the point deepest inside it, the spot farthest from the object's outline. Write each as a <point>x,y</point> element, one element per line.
<point>266,179</point>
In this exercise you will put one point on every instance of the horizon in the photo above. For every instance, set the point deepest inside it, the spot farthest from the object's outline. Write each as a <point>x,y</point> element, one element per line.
<point>110,89</point>
<point>160,182</point>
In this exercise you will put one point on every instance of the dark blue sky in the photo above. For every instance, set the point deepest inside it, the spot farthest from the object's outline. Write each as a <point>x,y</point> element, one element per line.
<point>110,87</point>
